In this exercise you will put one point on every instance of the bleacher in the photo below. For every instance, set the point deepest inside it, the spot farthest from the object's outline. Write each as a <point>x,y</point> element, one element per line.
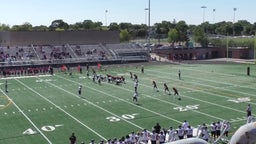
<point>45,54</point>
<point>128,50</point>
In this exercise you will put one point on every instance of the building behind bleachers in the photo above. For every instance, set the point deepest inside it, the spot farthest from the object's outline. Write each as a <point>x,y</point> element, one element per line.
<point>25,38</point>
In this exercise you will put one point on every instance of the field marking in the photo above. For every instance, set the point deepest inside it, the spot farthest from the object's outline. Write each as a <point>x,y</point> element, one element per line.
<point>31,122</point>
<point>209,80</point>
<point>203,90</point>
<point>3,106</point>
<point>166,101</point>
<point>21,77</point>
<point>61,109</point>
<point>123,100</point>
<point>203,100</point>
<point>89,102</point>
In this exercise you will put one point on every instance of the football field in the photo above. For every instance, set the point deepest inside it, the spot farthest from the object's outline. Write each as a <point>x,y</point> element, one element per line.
<point>47,109</point>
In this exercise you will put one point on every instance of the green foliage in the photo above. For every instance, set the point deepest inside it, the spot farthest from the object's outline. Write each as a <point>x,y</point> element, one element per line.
<point>200,37</point>
<point>4,27</point>
<point>233,42</point>
<point>124,36</point>
<point>58,24</point>
<point>24,27</point>
<point>173,36</point>
<point>157,30</point>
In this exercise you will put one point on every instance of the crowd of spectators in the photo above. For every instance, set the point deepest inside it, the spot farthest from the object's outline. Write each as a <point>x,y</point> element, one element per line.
<point>26,71</point>
<point>162,135</point>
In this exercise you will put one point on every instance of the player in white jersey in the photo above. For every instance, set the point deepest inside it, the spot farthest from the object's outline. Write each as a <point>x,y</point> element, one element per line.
<point>135,97</point>
<point>180,132</point>
<point>145,135</point>
<point>226,126</point>
<point>133,137</point>
<point>136,86</point>
<point>205,134</point>
<point>153,137</point>
<point>218,128</point>
<point>189,132</point>
<point>213,130</point>
<point>80,89</point>
<point>185,124</point>
<point>161,137</point>
<point>172,134</point>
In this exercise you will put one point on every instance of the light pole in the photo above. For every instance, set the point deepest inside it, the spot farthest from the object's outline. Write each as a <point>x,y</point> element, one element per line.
<point>213,15</point>
<point>149,31</point>
<point>234,19</point>
<point>106,20</point>
<point>227,47</point>
<point>146,9</point>
<point>203,7</point>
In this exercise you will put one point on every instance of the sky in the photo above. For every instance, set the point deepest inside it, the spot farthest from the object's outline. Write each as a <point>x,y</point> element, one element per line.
<point>43,12</point>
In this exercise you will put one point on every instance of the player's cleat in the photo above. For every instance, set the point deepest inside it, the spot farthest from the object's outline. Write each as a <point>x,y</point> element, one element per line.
<point>179,98</point>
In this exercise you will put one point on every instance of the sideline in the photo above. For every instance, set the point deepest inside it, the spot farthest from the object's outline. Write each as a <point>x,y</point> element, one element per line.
<point>22,77</point>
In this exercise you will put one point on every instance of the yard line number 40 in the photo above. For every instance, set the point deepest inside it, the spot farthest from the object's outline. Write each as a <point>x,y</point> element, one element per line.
<point>47,128</point>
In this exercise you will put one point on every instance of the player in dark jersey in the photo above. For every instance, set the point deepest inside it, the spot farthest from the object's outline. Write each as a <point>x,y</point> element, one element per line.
<point>179,75</point>
<point>155,86</point>
<point>72,139</point>
<point>175,91</point>
<point>135,77</point>
<point>249,110</point>
<point>166,89</point>
<point>6,86</point>
<point>131,75</point>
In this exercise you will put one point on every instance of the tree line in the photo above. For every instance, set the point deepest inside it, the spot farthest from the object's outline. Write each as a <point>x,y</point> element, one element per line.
<point>173,31</point>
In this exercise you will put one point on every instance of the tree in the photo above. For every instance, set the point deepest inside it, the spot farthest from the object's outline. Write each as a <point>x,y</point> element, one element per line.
<point>200,37</point>
<point>182,28</point>
<point>113,27</point>
<point>173,36</point>
<point>4,27</point>
<point>24,27</point>
<point>124,26</point>
<point>124,35</point>
<point>41,28</point>
<point>60,24</point>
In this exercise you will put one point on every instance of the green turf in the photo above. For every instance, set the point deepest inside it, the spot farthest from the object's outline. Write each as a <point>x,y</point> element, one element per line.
<point>51,108</point>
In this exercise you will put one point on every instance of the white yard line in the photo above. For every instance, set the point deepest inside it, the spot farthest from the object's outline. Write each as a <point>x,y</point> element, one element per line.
<point>63,110</point>
<point>222,74</point>
<point>164,100</point>
<point>94,104</point>
<point>203,100</point>
<point>222,88</point>
<point>31,122</point>
<point>177,105</point>
<point>124,101</point>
